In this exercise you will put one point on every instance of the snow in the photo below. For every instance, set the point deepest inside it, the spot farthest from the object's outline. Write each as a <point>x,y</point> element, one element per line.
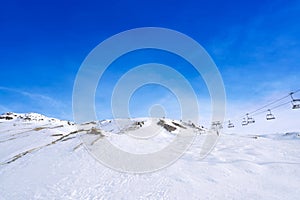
<point>59,167</point>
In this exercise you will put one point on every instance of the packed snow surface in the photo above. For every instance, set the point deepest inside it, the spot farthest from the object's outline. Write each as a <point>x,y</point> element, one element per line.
<point>44,158</point>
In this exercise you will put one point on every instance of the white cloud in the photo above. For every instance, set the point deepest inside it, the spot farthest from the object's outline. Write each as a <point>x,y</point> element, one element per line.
<point>34,102</point>
<point>34,96</point>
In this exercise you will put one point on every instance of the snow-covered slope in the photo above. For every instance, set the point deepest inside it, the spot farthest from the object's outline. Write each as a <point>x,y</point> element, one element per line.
<point>43,158</point>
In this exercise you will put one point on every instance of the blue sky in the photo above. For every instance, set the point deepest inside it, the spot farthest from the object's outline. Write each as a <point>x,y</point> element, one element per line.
<point>255,44</point>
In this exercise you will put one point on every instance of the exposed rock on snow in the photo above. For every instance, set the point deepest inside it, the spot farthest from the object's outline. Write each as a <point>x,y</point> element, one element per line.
<point>44,158</point>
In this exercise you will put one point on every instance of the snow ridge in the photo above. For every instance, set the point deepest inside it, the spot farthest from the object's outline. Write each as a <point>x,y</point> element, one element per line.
<point>44,158</point>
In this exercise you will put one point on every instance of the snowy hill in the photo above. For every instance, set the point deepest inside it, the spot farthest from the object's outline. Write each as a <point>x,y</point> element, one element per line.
<point>44,158</point>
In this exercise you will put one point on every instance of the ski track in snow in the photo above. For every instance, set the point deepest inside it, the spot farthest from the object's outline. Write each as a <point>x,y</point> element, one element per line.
<point>239,167</point>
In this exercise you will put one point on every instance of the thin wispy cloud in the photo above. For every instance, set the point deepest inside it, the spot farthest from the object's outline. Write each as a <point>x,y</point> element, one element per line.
<point>255,45</point>
<point>34,96</point>
<point>17,100</point>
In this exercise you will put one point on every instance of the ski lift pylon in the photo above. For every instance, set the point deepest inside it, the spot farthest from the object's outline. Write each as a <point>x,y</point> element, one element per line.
<point>216,125</point>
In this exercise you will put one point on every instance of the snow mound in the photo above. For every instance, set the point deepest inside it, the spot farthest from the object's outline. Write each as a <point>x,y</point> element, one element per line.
<point>292,135</point>
<point>29,117</point>
<point>280,136</point>
<point>46,159</point>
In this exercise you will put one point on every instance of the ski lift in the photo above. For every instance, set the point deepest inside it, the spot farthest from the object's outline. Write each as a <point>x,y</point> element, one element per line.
<point>295,102</point>
<point>250,120</point>
<point>216,125</point>
<point>244,122</point>
<point>269,115</point>
<point>230,124</point>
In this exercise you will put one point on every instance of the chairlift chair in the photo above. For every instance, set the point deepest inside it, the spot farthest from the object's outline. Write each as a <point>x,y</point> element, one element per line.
<point>244,122</point>
<point>250,120</point>
<point>269,115</point>
<point>230,124</point>
<point>295,102</point>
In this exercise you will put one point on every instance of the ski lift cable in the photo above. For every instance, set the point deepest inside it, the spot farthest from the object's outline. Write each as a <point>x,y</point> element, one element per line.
<point>278,106</point>
<point>271,103</point>
<point>273,108</point>
<point>295,91</point>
